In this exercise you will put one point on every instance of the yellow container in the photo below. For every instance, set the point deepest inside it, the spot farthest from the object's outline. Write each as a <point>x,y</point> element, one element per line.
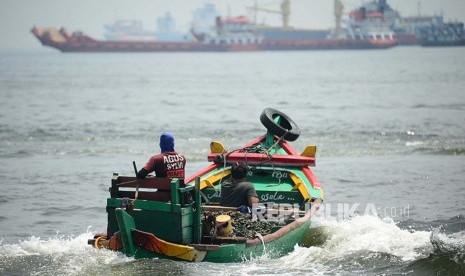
<point>223,225</point>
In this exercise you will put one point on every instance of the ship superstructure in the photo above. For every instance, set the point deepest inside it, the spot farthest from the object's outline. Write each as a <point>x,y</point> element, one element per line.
<point>211,32</point>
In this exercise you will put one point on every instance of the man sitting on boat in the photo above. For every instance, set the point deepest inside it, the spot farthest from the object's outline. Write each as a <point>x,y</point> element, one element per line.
<point>168,163</point>
<point>238,192</point>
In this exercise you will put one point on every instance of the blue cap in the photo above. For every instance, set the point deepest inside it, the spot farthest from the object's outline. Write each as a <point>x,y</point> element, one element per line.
<point>166,142</point>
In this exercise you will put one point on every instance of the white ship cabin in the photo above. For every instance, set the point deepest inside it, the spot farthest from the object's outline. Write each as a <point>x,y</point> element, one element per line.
<point>234,30</point>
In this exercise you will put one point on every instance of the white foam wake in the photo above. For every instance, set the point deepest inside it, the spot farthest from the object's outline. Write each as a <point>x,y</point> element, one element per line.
<point>66,255</point>
<point>373,234</point>
<point>356,243</point>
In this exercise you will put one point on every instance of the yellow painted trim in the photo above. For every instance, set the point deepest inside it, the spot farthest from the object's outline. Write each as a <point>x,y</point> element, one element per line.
<point>216,147</point>
<point>208,182</point>
<point>188,253</point>
<point>296,186</point>
<point>309,151</point>
<point>299,185</point>
<point>178,251</point>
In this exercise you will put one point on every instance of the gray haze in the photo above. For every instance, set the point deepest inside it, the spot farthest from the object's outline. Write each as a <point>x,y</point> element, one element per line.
<point>18,16</point>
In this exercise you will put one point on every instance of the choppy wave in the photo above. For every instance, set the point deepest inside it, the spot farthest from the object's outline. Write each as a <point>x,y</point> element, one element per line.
<point>455,106</point>
<point>369,234</point>
<point>372,246</point>
<point>55,256</point>
<point>97,138</point>
<point>452,245</point>
<point>197,147</point>
<point>449,226</point>
<point>440,151</point>
<point>447,257</point>
<point>362,245</point>
<point>365,245</point>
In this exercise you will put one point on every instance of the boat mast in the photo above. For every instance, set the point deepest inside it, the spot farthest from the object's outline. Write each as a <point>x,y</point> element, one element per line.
<point>285,11</point>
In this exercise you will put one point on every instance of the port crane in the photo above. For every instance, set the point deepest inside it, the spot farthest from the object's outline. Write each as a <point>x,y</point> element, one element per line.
<point>338,11</point>
<point>285,11</point>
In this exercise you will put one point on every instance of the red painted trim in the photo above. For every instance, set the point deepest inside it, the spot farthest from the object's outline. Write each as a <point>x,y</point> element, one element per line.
<point>313,179</point>
<point>259,158</point>
<point>214,166</point>
<point>202,172</point>
<point>290,150</point>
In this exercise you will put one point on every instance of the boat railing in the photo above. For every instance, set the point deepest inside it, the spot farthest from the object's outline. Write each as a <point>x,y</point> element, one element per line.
<point>175,209</point>
<point>151,188</point>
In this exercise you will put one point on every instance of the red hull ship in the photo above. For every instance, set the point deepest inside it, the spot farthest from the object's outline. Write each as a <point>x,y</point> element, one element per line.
<point>222,41</point>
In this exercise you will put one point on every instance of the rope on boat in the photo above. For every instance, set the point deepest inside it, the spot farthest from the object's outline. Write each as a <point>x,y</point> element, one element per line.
<point>267,151</point>
<point>258,149</point>
<point>97,241</point>
<point>277,141</point>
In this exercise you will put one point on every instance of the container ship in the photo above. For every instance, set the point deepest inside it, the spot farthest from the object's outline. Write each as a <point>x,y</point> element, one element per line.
<point>213,33</point>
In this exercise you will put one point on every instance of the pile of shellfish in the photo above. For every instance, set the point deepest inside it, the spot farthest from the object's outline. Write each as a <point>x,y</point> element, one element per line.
<point>243,224</point>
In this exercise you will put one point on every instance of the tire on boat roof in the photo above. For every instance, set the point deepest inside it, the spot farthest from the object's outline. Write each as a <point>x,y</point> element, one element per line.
<point>286,124</point>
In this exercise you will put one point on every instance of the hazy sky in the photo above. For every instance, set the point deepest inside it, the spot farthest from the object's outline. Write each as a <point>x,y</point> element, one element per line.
<point>18,16</point>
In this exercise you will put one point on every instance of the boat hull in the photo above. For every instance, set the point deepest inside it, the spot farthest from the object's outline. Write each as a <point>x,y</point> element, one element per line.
<point>274,249</point>
<point>142,245</point>
<point>66,43</point>
<point>128,47</point>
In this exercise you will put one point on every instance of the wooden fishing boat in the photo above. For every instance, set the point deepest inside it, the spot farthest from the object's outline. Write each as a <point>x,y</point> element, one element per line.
<point>162,218</point>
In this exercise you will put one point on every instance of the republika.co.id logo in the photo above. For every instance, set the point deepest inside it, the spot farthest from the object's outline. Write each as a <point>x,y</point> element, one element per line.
<point>332,211</point>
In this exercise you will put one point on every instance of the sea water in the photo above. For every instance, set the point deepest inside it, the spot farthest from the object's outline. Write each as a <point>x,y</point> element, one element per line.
<point>389,126</point>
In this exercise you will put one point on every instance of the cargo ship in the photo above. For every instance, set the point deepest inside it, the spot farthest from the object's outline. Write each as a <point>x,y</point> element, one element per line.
<point>210,33</point>
<point>80,42</point>
<point>427,30</point>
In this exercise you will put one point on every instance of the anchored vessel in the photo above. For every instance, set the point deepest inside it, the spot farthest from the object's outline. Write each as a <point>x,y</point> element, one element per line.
<point>223,41</point>
<point>210,32</point>
<point>159,217</point>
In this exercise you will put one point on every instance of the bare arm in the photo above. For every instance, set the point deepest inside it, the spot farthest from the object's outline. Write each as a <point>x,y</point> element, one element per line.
<point>253,200</point>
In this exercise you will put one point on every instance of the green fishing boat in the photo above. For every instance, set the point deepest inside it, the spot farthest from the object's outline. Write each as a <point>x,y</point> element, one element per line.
<point>164,218</point>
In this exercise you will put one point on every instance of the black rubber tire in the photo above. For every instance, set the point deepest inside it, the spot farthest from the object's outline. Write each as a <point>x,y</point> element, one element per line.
<point>286,124</point>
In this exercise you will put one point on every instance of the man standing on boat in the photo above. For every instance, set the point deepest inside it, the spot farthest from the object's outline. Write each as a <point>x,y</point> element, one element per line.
<point>168,163</point>
<point>238,192</point>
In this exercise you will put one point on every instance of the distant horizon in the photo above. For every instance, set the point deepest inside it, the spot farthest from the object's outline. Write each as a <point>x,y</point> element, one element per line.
<point>18,17</point>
